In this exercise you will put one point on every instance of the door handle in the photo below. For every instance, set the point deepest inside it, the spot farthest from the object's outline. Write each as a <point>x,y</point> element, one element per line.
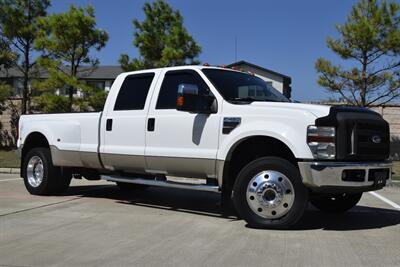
<point>150,124</point>
<point>109,124</point>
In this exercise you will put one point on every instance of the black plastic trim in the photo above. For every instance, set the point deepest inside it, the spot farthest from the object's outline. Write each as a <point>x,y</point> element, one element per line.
<point>353,125</point>
<point>230,123</point>
<point>330,119</point>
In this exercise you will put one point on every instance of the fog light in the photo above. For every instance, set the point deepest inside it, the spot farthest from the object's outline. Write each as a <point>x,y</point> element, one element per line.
<point>353,175</point>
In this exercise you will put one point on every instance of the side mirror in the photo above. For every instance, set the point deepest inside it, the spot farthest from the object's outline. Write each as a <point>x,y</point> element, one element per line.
<point>189,99</point>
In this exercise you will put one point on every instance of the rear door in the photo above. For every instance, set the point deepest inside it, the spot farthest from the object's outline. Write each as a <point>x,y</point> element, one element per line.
<point>124,124</point>
<point>180,143</point>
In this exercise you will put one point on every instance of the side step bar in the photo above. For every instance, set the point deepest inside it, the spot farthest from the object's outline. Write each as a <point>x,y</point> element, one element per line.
<point>166,183</point>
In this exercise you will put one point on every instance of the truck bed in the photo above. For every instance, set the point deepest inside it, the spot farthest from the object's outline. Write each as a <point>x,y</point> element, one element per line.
<point>73,137</point>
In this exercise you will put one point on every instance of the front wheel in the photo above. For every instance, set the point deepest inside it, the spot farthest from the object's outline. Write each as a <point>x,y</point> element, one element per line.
<point>269,193</point>
<point>336,203</point>
<point>41,177</point>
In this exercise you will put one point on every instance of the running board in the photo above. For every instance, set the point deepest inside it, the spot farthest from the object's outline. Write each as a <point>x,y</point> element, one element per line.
<point>170,184</point>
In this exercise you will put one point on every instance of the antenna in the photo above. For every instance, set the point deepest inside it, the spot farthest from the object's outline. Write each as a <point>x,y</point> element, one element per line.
<point>235,48</point>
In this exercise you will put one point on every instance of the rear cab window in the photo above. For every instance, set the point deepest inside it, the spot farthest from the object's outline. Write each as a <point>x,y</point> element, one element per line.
<point>133,92</point>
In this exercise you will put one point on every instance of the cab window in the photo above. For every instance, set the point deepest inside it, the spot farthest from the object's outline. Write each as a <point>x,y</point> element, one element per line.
<point>169,88</point>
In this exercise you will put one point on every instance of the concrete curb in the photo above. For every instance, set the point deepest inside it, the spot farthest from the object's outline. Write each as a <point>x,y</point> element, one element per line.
<point>9,170</point>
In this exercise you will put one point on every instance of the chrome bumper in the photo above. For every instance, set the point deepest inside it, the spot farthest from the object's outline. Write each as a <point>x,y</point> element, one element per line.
<point>325,175</point>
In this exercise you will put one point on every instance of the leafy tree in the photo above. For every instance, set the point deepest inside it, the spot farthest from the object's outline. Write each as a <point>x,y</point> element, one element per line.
<point>52,103</point>
<point>92,100</point>
<point>7,59</point>
<point>161,39</point>
<point>97,100</point>
<point>18,25</point>
<point>370,41</point>
<point>5,93</point>
<point>66,40</point>
<point>7,56</point>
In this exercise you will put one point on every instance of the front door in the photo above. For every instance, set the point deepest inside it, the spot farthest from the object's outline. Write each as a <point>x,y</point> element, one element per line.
<point>180,143</point>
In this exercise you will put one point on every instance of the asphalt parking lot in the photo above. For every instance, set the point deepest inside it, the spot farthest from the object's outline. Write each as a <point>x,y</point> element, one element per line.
<point>94,224</point>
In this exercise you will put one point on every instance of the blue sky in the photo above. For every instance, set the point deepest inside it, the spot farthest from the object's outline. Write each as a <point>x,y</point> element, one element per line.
<point>285,36</point>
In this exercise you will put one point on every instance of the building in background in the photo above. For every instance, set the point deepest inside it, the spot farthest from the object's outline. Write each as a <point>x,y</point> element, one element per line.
<point>102,77</point>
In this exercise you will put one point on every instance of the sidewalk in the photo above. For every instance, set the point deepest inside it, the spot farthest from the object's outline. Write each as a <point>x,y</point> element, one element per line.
<point>9,170</point>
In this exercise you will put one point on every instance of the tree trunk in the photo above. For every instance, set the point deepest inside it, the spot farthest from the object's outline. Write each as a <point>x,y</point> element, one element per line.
<point>27,49</point>
<point>71,88</point>
<point>25,89</point>
<point>71,97</point>
<point>24,95</point>
<point>364,84</point>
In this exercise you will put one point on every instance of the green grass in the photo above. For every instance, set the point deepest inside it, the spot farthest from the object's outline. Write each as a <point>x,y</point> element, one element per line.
<point>9,159</point>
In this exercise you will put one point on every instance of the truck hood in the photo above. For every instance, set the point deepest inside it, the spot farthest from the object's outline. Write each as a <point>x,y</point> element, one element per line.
<point>316,110</point>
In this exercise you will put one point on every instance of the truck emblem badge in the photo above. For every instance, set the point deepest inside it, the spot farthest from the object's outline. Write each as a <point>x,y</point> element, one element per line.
<point>376,139</point>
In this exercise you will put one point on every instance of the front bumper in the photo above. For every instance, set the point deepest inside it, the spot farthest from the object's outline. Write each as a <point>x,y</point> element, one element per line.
<point>329,176</point>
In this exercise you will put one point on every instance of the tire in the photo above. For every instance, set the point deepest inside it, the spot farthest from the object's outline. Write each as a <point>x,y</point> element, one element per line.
<point>127,187</point>
<point>269,193</point>
<point>337,203</point>
<point>41,177</point>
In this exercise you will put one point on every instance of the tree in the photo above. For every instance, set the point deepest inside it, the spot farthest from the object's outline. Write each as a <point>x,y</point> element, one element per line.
<point>6,138</point>
<point>7,56</point>
<point>18,25</point>
<point>370,41</point>
<point>52,103</point>
<point>7,60</point>
<point>161,39</point>
<point>66,40</point>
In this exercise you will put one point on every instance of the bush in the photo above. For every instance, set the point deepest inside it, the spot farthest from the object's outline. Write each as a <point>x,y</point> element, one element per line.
<point>52,103</point>
<point>97,100</point>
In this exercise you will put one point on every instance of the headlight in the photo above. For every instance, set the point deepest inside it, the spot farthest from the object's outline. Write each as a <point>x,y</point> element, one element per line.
<point>321,141</point>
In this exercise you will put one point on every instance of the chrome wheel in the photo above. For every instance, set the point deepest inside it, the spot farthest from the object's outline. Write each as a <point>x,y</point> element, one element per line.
<point>270,194</point>
<point>35,171</point>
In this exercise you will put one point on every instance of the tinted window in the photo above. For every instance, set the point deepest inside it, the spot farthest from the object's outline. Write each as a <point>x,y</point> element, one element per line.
<point>238,86</point>
<point>169,88</point>
<point>133,92</point>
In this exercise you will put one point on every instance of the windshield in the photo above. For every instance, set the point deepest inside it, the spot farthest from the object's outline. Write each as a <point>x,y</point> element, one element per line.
<point>239,87</point>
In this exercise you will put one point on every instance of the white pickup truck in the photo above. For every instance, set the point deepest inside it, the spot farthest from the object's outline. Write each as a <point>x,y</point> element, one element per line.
<point>229,128</point>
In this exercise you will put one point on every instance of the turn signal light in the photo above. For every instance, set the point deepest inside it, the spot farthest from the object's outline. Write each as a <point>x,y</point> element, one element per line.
<point>321,141</point>
<point>180,101</point>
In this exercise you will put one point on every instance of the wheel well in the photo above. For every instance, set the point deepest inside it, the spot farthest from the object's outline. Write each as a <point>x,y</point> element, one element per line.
<point>250,149</point>
<point>33,140</point>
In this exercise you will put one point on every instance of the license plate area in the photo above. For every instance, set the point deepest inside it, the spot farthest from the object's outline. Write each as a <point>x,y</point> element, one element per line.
<point>379,176</point>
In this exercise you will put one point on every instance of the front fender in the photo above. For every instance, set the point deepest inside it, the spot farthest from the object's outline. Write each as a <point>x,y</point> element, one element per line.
<point>291,134</point>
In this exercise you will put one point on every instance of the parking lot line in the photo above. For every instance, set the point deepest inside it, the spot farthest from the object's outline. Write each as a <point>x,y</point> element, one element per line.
<point>388,201</point>
<point>2,180</point>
